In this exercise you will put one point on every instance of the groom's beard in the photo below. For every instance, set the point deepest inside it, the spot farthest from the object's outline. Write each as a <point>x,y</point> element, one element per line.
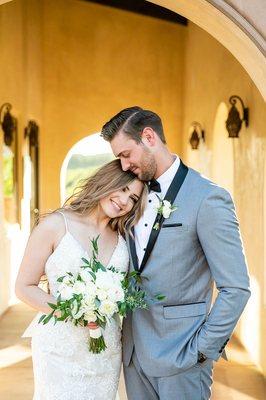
<point>147,166</point>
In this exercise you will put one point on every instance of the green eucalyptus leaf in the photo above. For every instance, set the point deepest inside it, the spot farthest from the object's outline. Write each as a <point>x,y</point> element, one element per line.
<point>42,318</point>
<point>85,261</point>
<point>47,319</point>
<point>92,274</point>
<point>53,306</point>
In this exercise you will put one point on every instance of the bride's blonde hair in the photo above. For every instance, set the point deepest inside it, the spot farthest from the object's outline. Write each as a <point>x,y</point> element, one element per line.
<point>109,178</point>
<point>103,182</point>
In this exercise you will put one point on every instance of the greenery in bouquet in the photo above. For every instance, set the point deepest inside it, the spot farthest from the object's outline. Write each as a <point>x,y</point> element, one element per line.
<point>96,294</point>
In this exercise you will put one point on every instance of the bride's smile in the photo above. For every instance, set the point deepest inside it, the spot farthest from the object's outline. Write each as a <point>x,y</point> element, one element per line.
<point>122,201</point>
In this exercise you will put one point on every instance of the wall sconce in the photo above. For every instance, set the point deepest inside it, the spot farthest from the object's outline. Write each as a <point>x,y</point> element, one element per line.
<point>197,134</point>
<point>8,123</point>
<point>234,122</point>
<point>32,132</point>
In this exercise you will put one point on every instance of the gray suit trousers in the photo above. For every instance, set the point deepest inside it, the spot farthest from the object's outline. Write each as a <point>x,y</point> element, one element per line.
<point>191,384</point>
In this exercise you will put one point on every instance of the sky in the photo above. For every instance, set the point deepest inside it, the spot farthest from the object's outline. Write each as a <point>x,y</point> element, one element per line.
<point>91,145</point>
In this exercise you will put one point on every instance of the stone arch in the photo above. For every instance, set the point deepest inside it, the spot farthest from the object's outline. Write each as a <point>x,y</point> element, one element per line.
<point>233,31</point>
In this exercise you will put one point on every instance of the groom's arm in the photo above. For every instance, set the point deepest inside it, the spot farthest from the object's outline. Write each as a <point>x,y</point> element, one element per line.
<point>219,235</point>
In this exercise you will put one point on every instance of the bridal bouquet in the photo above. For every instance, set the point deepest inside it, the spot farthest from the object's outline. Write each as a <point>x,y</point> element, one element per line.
<point>96,294</point>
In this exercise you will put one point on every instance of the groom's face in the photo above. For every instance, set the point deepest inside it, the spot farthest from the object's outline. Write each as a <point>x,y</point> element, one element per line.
<point>136,157</point>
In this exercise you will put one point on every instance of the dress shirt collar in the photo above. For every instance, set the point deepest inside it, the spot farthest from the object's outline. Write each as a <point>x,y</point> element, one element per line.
<point>166,178</point>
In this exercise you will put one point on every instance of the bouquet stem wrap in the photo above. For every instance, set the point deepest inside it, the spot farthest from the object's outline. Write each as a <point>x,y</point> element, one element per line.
<point>96,341</point>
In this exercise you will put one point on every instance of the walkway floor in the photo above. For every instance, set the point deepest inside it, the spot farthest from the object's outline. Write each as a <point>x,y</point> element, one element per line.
<point>237,379</point>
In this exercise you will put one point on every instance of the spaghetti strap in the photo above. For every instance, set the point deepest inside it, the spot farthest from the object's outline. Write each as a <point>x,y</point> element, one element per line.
<point>65,219</point>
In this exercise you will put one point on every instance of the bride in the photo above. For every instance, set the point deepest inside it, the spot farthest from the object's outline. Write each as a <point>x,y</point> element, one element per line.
<point>108,204</point>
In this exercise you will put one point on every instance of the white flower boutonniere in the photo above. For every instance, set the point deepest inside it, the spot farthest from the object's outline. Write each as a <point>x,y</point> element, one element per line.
<point>164,209</point>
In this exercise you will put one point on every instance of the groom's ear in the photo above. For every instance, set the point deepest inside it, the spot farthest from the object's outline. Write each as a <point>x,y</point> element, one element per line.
<point>148,136</point>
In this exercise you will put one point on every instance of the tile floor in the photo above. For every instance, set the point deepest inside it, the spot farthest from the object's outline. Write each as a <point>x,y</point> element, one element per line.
<point>237,379</point>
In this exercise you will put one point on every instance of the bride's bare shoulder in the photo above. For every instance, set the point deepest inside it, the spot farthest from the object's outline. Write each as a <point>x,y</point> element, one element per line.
<point>52,223</point>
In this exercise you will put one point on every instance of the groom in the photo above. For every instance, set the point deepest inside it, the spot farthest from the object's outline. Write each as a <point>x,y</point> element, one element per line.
<point>169,349</point>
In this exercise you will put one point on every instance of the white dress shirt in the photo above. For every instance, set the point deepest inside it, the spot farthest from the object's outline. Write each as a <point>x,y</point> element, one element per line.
<point>146,222</point>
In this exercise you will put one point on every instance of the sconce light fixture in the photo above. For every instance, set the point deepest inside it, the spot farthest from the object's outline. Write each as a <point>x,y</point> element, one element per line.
<point>234,122</point>
<point>197,134</point>
<point>32,131</point>
<point>8,123</point>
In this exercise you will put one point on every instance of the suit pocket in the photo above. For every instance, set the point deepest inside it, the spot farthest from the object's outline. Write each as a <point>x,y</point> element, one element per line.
<point>171,225</point>
<point>184,310</point>
<point>174,227</point>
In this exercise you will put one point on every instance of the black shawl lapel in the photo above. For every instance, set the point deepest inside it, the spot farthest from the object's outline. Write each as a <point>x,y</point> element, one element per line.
<point>170,196</point>
<point>133,252</point>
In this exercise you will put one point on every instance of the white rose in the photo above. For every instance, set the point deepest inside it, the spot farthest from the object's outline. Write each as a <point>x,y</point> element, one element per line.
<point>67,280</point>
<point>91,289</point>
<point>108,308</point>
<point>115,294</point>
<point>66,292</point>
<point>89,302</point>
<point>79,287</point>
<point>90,316</point>
<point>117,277</point>
<point>85,276</point>
<point>101,294</point>
<point>103,279</point>
<point>167,209</point>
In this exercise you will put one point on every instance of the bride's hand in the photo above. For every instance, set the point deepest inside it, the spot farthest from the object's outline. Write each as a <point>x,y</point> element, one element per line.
<point>92,325</point>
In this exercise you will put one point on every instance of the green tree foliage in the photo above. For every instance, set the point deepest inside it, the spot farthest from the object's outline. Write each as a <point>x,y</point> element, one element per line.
<point>81,167</point>
<point>8,175</point>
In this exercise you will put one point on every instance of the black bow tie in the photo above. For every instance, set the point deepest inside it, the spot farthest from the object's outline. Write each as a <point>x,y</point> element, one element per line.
<point>154,185</point>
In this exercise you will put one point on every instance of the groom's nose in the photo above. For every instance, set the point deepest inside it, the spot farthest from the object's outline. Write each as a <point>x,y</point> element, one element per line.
<point>125,165</point>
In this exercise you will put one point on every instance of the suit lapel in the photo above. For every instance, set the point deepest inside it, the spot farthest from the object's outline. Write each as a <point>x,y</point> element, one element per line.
<point>170,196</point>
<point>133,252</point>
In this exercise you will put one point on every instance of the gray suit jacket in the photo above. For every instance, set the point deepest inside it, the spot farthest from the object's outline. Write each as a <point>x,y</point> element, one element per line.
<point>199,244</point>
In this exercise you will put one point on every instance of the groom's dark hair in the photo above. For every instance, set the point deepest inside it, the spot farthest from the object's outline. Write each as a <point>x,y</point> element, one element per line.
<point>132,121</point>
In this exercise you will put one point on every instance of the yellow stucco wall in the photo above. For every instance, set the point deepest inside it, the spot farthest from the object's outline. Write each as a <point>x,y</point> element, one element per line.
<point>12,89</point>
<point>212,75</point>
<point>96,61</point>
<point>71,65</point>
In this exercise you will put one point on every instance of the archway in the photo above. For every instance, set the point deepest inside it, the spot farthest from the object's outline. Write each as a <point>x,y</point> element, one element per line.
<point>82,159</point>
<point>230,31</point>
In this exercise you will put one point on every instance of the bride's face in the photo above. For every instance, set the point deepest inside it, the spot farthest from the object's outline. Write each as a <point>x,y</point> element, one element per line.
<point>122,201</point>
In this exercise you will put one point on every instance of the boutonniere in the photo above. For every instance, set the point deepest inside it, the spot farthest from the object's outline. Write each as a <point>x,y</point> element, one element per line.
<point>165,208</point>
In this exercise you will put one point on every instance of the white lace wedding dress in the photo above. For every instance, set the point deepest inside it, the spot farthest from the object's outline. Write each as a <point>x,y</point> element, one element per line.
<point>63,367</point>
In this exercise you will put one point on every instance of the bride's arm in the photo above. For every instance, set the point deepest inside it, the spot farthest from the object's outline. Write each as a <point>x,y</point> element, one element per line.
<point>40,246</point>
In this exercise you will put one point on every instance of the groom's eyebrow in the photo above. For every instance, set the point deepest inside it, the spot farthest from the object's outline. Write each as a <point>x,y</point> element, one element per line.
<point>120,154</point>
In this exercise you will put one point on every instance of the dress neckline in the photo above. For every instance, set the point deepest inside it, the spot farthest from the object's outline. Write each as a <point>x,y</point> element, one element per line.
<point>86,252</point>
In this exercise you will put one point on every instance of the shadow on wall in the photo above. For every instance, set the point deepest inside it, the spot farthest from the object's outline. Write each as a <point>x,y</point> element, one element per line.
<point>222,151</point>
<point>250,323</point>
